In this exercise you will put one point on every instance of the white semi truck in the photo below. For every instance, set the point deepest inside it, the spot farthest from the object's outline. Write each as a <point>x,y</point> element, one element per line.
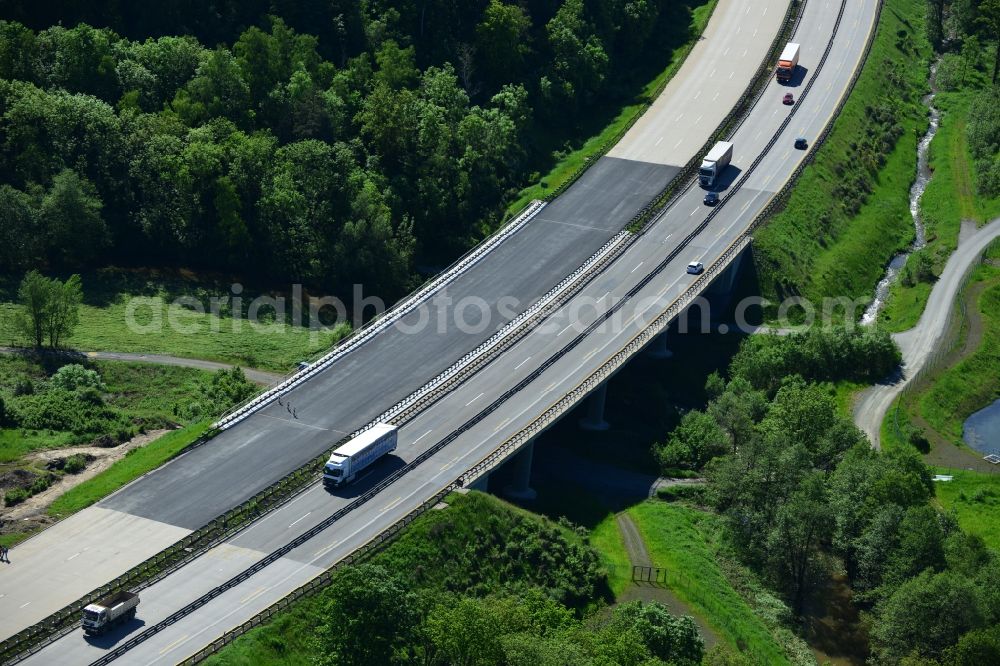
<point>787,62</point>
<point>108,612</point>
<point>350,459</point>
<point>715,163</point>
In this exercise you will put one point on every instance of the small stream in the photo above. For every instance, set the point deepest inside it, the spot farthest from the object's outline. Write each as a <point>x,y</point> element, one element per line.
<point>916,192</point>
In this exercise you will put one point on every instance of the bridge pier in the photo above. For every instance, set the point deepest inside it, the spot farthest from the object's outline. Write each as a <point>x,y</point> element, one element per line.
<point>519,488</point>
<point>720,292</point>
<point>595,409</point>
<point>725,283</point>
<point>658,349</point>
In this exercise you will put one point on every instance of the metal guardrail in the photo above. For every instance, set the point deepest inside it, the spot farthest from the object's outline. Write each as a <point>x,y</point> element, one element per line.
<point>376,326</point>
<point>570,399</point>
<point>217,530</point>
<point>526,434</point>
<point>643,338</point>
<point>730,123</point>
<point>320,581</point>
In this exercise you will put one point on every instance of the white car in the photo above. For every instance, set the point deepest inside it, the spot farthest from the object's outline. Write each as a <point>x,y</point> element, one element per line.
<point>696,268</point>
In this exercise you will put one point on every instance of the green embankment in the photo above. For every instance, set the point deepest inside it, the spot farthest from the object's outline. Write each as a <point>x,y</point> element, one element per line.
<point>126,470</point>
<point>676,539</point>
<point>606,538</point>
<point>848,212</point>
<point>572,501</point>
<point>950,197</point>
<point>974,498</point>
<point>478,545</point>
<point>942,402</point>
<point>683,40</point>
<point>946,398</point>
<point>973,382</point>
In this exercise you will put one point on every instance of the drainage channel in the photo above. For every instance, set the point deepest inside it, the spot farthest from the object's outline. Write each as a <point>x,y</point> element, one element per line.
<point>924,175</point>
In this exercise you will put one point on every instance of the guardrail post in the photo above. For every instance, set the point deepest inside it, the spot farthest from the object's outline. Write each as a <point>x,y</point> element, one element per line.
<point>595,409</point>
<point>520,488</point>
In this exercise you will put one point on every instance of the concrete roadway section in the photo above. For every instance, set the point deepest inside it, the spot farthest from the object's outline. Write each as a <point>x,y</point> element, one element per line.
<point>695,102</point>
<point>919,343</point>
<point>462,406</point>
<point>202,484</point>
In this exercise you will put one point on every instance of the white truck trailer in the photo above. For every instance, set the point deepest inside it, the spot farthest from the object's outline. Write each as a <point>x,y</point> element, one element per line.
<point>787,62</point>
<point>715,163</point>
<point>108,612</point>
<point>350,459</point>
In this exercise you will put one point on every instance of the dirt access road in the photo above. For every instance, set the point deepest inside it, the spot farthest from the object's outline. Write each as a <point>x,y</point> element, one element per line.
<point>921,341</point>
<point>257,376</point>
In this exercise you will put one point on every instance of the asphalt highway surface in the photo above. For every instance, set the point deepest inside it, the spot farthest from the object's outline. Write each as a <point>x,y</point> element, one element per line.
<point>78,555</point>
<point>544,366</point>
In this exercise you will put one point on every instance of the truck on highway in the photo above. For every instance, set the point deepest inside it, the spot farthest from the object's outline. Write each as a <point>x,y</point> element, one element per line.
<point>715,163</point>
<point>362,451</point>
<point>787,62</point>
<point>109,611</point>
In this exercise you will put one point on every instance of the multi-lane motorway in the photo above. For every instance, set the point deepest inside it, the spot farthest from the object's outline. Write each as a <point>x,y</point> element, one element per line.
<point>543,366</point>
<point>93,546</point>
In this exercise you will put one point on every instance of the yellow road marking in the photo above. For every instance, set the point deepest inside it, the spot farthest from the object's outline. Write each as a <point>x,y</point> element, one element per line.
<point>250,596</point>
<point>391,504</point>
<point>174,644</point>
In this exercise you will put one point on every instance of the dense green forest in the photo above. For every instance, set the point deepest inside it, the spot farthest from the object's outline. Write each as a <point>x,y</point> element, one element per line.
<point>321,142</point>
<point>804,496</point>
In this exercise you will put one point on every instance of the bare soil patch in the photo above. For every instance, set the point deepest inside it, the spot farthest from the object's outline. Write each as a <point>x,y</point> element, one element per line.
<point>31,513</point>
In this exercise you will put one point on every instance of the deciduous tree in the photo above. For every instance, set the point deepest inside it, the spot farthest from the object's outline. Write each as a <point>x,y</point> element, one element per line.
<point>71,211</point>
<point>371,620</point>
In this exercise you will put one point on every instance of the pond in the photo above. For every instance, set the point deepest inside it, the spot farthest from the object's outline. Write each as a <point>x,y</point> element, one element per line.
<point>981,431</point>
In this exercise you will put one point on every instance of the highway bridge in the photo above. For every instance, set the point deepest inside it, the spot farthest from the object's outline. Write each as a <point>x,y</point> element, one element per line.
<point>639,284</point>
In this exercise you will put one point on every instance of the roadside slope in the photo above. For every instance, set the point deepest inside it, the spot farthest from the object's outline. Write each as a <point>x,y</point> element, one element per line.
<point>919,343</point>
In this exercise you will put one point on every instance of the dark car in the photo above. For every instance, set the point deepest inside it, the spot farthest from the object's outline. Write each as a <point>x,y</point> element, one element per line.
<point>788,99</point>
<point>711,199</point>
<point>801,143</point>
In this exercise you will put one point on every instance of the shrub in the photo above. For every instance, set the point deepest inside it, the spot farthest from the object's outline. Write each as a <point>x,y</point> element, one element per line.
<point>952,72</point>
<point>24,386</point>
<point>690,492</point>
<point>15,496</point>
<point>918,438</point>
<point>983,496</point>
<point>42,484</point>
<point>75,464</point>
<point>75,377</point>
<point>60,410</point>
<point>983,133</point>
<point>919,268</point>
<point>820,354</point>
<point>695,441</point>
<point>227,388</point>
